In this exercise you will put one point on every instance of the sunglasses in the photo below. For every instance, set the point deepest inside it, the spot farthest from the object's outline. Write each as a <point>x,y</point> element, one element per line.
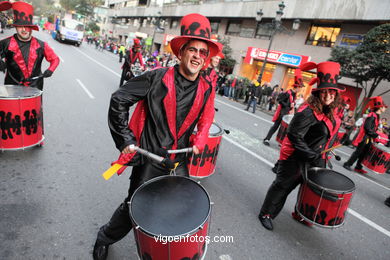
<point>203,53</point>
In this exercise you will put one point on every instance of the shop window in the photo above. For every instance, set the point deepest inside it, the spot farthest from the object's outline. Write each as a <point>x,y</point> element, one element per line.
<point>233,28</point>
<point>214,27</point>
<point>323,35</point>
<point>247,32</point>
<point>268,71</point>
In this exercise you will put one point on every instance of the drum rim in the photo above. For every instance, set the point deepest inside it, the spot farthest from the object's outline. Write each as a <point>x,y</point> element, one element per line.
<point>151,234</point>
<point>19,97</point>
<point>328,189</point>
<point>218,134</point>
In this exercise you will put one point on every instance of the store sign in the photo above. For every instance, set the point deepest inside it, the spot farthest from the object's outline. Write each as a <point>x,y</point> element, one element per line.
<point>351,40</point>
<point>289,59</point>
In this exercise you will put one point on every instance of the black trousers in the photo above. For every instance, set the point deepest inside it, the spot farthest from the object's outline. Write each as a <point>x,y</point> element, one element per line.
<point>120,223</point>
<point>359,154</point>
<point>288,177</point>
<point>274,128</point>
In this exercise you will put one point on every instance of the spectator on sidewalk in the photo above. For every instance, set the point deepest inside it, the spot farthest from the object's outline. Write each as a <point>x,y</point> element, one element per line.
<point>266,93</point>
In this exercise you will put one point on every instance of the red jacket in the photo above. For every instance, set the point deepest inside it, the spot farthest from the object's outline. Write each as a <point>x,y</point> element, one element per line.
<point>368,129</point>
<point>152,126</point>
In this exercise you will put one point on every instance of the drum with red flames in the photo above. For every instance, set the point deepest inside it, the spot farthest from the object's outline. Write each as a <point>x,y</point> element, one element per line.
<point>21,122</point>
<point>203,164</point>
<point>170,216</point>
<point>377,158</point>
<point>324,197</point>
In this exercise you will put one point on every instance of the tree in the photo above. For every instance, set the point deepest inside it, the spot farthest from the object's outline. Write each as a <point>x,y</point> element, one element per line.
<point>368,64</point>
<point>227,64</point>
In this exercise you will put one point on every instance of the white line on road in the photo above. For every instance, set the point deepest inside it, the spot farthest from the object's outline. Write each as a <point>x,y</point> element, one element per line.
<point>61,59</point>
<point>85,89</point>
<point>354,213</point>
<point>104,66</point>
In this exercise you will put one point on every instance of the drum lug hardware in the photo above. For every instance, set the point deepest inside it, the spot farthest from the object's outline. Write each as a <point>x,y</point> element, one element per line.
<point>211,203</point>
<point>136,227</point>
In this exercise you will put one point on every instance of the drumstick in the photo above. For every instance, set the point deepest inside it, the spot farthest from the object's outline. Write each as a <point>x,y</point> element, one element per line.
<point>338,158</point>
<point>332,148</point>
<point>184,150</point>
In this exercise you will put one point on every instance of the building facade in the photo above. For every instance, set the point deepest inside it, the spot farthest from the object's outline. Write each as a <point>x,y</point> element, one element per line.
<point>323,25</point>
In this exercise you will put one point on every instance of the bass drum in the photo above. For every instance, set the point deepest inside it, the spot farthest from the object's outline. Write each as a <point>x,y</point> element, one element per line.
<point>21,120</point>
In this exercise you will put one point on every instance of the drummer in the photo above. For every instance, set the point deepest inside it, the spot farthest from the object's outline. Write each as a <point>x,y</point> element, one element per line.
<point>286,105</point>
<point>131,57</point>
<point>366,135</point>
<point>24,53</point>
<point>212,69</point>
<point>171,102</point>
<point>308,134</point>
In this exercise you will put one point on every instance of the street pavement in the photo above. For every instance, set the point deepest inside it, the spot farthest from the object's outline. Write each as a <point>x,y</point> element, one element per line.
<point>54,198</point>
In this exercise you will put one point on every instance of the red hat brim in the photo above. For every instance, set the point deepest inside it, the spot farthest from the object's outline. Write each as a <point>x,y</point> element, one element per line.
<point>5,5</point>
<point>179,41</point>
<point>34,27</point>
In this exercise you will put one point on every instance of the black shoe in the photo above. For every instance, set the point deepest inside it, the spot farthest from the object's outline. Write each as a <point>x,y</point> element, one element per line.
<point>346,166</point>
<point>266,142</point>
<point>387,201</point>
<point>100,252</point>
<point>266,221</point>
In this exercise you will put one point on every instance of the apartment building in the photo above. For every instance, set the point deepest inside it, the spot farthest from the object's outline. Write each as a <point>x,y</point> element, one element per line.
<point>322,25</point>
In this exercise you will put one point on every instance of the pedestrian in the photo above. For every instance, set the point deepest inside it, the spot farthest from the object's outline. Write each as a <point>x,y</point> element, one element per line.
<point>212,69</point>
<point>366,135</point>
<point>170,103</point>
<point>309,133</point>
<point>266,93</point>
<point>121,52</point>
<point>132,56</point>
<point>286,102</point>
<point>232,88</point>
<point>274,96</point>
<point>24,53</point>
<point>239,87</point>
<point>254,93</point>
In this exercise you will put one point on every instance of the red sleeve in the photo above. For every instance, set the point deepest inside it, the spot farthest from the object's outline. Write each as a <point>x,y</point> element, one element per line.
<point>205,122</point>
<point>51,57</point>
<point>140,58</point>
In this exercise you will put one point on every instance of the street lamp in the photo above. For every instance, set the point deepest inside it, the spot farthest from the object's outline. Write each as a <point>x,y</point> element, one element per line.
<point>274,27</point>
<point>157,26</point>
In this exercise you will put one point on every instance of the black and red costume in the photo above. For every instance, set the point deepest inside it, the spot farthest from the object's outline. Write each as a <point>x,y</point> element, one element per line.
<point>169,107</point>
<point>24,60</point>
<point>363,141</point>
<point>131,58</point>
<point>309,133</point>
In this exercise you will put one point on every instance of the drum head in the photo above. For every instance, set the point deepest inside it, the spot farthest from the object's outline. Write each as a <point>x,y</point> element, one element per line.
<point>382,147</point>
<point>170,206</point>
<point>330,180</point>
<point>215,130</point>
<point>15,92</point>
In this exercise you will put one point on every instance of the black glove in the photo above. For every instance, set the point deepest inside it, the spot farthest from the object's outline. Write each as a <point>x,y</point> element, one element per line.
<point>47,73</point>
<point>3,66</point>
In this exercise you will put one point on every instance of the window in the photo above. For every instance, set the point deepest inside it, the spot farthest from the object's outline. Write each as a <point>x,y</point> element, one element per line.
<point>233,28</point>
<point>247,32</point>
<point>174,24</point>
<point>214,27</point>
<point>323,35</point>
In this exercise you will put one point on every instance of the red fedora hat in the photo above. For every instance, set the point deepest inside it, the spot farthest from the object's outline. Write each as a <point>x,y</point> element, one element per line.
<point>327,75</point>
<point>194,26</point>
<point>23,15</point>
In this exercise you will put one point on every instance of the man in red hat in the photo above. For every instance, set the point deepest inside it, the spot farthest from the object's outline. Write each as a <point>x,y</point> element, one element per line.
<point>132,56</point>
<point>310,132</point>
<point>366,135</point>
<point>286,105</point>
<point>24,53</point>
<point>170,103</point>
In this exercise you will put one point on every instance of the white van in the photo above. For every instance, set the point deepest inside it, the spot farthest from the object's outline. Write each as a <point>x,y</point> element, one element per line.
<point>70,30</point>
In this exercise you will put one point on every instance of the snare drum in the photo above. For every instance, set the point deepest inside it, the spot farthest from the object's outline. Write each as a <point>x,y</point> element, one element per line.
<point>203,164</point>
<point>170,215</point>
<point>283,128</point>
<point>324,197</point>
<point>377,158</point>
<point>21,124</point>
<point>341,133</point>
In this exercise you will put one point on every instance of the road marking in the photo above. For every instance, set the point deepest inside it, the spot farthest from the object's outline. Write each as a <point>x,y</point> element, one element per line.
<point>104,66</point>
<point>225,257</point>
<point>85,89</point>
<point>61,59</point>
<point>354,213</point>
